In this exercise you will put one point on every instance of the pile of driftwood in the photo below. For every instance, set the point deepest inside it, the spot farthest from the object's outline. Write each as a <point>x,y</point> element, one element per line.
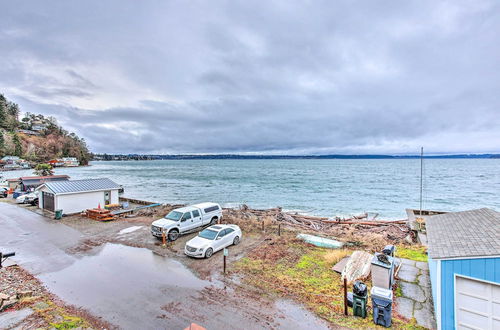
<point>320,223</point>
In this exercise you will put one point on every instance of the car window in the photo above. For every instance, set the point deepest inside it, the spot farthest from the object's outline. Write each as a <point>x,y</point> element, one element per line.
<point>229,231</point>
<point>208,234</point>
<point>196,213</point>
<point>173,215</point>
<point>222,233</point>
<point>211,209</point>
<point>186,216</point>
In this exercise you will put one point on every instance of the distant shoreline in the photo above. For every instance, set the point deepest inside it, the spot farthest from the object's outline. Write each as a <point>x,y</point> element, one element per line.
<point>134,157</point>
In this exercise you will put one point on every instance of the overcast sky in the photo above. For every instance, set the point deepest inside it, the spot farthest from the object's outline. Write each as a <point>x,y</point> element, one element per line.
<point>297,77</point>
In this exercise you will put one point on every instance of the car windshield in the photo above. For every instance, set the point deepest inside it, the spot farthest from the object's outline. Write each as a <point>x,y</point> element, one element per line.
<point>208,234</point>
<point>174,215</point>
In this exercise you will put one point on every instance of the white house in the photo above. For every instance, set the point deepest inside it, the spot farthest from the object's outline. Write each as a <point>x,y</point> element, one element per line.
<point>74,196</point>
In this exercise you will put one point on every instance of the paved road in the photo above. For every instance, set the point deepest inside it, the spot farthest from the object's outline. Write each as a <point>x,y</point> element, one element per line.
<point>132,287</point>
<point>39,242</point>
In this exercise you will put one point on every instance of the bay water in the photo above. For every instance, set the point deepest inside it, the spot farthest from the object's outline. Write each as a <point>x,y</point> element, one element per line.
<point>323,187</point>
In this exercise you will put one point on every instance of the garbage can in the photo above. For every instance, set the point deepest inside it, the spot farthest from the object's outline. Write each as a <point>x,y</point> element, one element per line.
<point>58,214</point>
<point>382,272</point>
<point>382,306</point>
<point>389,250</point>
<point>359,299</point>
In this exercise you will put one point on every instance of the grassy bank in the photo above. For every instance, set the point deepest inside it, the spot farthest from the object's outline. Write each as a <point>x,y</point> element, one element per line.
<point>293,269</point>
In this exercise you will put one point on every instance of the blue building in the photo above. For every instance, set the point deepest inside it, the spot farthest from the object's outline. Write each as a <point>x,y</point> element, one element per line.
<point>464,265</point>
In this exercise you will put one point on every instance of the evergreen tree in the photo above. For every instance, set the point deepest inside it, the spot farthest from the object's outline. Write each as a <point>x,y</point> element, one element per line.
<point>2,144</point>
<point>3,111</point>
<point>13,110</point>
<point>18,148</point>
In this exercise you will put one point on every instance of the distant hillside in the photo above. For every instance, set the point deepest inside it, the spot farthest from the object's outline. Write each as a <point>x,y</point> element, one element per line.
<point>35,137</point>
<point>235,156</point>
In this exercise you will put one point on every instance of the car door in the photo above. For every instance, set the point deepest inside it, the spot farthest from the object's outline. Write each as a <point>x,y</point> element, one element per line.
<point>196,219</point>
<point>219,240</point>
<point>186,222</point>
<point>228,237</point>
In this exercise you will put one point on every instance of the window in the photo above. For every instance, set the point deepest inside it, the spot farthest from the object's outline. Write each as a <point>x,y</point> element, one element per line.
<point>229,231</point>
<point>173,215</point>
<point>222,233</point>
<point>196,213</point>
<point>211,209</point>
<point>208,234</point>
<point>186,216</point>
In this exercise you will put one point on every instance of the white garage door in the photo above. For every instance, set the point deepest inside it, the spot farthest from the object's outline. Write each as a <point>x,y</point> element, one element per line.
<point>477,304</point>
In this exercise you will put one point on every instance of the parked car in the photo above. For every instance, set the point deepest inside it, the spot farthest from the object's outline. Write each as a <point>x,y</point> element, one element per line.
<point>27,198</point>
<point>213,239</point>
<point>4,192</point>
<point>186,219</point>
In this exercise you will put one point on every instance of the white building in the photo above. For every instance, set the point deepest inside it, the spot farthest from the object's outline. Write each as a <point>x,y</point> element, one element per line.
<point>70,162</point>
<point>75,196</point>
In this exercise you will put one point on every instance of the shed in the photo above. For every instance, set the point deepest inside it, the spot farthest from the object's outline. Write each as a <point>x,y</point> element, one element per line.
<point>26,183</point>
<point>75,196</point>
<point>464,265</point>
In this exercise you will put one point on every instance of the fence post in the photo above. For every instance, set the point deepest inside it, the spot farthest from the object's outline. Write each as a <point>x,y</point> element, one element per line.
<point>345,296</point>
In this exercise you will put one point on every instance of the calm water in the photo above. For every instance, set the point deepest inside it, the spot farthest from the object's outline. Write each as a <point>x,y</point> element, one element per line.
<point>320,187</point>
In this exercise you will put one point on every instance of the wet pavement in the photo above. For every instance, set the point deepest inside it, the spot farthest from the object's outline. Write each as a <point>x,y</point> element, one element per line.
<point>133,287</point>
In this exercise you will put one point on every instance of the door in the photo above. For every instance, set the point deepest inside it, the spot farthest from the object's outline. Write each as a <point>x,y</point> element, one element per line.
<point>186,222</point>
<point>223,239</point>
<point>477,304</point>
<point>107,197</point>
<point>196,219</point>
<point>48,201</point>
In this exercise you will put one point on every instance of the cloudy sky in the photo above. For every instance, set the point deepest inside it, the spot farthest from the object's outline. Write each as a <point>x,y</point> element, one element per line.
<point>297,77</point>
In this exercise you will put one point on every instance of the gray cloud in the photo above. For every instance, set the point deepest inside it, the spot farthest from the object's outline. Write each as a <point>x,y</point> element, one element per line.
<point>281,77</point>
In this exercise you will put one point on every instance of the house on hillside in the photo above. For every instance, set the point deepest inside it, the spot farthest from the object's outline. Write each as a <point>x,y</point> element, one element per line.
<point>464,265</point>
<point>27,132</point>
<point>70,162</point>
<point>75,196</point>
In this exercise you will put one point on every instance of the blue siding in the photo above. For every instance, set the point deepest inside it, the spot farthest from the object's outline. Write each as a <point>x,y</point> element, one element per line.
<point>487,269</point>
<point>433,277</point>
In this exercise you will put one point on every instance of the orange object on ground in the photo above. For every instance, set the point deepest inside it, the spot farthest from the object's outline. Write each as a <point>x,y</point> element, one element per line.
<point>194,326</point>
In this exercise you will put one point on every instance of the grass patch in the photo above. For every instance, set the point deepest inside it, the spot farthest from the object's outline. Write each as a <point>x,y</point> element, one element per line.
<point>303,272</point>
<point>399,292</point>
<point>413,252</point>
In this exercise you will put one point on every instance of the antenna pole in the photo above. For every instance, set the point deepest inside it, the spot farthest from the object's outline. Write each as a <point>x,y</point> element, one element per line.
<point>421,175</point>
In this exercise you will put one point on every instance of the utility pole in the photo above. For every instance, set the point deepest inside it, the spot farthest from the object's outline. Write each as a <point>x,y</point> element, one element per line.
<point>421,176</point>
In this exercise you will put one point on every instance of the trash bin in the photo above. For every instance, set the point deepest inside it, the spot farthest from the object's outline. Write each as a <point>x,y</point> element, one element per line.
<point>58,214</point>
<point>359,299</point>
<point>382,272</point>
<point>382,306</point>
<point>389,250</point>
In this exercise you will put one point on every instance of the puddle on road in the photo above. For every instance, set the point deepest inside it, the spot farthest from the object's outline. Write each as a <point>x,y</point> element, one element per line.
<point>124,285</point>
<point>130,229</point>
<point>134,288</point>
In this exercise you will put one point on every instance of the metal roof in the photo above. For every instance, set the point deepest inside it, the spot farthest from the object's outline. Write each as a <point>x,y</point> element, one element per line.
<point>474,233</point>
<point>75,186</point>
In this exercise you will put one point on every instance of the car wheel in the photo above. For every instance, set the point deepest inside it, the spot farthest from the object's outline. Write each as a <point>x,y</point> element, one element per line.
<point>173,235</point>
<point>214,221</point>
<point>208,253</point>
<point>236,240</point>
